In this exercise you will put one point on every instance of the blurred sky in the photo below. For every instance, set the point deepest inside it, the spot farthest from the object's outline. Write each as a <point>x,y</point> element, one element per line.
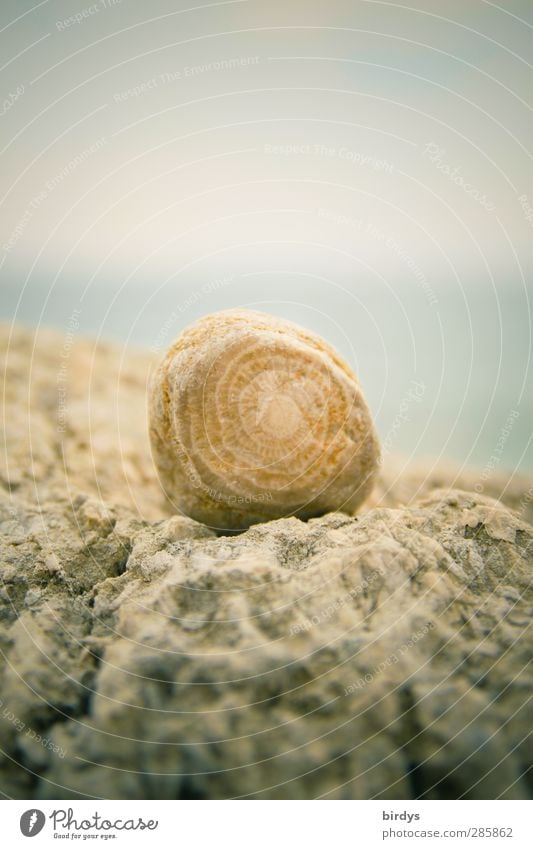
<point>363,168</point>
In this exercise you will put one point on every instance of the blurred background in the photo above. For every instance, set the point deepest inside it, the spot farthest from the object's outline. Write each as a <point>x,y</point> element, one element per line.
<point>360,167</point>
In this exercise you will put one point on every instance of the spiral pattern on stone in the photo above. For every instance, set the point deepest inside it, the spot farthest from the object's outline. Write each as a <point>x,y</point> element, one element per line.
<point>254,418</point>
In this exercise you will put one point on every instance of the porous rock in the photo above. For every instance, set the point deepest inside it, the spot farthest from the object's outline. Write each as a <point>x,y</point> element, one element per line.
<point>378,656</point>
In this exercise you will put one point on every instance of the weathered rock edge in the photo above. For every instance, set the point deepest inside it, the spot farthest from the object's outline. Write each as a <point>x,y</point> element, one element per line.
<point>384,656</point>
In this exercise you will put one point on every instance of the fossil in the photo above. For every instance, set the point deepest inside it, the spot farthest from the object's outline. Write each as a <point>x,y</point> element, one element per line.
<point>254,418</point>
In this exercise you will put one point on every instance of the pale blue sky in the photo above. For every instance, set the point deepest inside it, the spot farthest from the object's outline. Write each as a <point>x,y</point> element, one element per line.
<point>363,167</point>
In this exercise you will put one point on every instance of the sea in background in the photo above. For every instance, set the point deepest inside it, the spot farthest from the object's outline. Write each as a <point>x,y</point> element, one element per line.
<point>362,168</point>
<point>447,374</point>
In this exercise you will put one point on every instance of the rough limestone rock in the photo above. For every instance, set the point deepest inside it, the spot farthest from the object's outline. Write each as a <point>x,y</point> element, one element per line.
<point>378,656</point>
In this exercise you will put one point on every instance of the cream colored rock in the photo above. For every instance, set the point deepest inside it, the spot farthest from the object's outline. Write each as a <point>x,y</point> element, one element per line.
<point>145,658</point>
<point>254,418</point>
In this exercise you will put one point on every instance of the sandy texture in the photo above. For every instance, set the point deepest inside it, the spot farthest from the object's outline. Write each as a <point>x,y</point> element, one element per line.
<point>142,656</point>
<point>254,418</point>
<point>76,422</point>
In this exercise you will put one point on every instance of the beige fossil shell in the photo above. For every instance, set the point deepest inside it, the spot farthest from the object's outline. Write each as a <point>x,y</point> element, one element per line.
<point>254,418</point>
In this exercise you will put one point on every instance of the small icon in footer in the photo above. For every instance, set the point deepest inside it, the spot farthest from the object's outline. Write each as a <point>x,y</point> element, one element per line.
<point>32,822</point>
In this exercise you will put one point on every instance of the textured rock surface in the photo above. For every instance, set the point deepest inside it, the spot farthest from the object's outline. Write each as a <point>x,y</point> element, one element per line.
<point>141,656</point>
